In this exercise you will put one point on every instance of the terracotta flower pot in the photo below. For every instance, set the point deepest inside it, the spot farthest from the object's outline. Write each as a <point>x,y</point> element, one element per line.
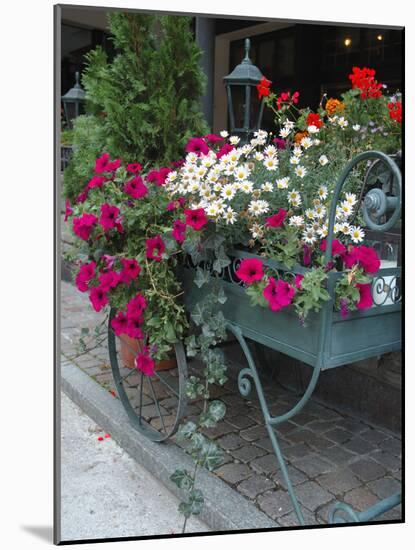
<point>129,349</point>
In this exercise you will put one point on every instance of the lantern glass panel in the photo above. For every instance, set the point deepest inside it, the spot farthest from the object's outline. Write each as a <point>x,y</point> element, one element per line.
<point>238,102</point>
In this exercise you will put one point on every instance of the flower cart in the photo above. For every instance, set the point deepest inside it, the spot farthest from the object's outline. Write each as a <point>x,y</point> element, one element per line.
<point>329,340</point>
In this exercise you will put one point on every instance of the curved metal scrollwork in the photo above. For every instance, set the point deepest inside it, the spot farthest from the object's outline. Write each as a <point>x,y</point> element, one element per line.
<point>244,383</point>
<point>386,290</point>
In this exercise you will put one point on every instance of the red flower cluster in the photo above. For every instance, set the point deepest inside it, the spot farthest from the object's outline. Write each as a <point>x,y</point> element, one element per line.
<point>263,87</point>
<point>278,294</point>
<point>277,220</point>
<point>313,119</point>
<point>395,111</point>
<point>129,323</point>
<point>158,176</point>
<point>337,248</point>
<point>83,226</point>
<point>287,98</point>
<point>155,248</point>
<point>365,256</point>
<point>364,80</point>
<point>196,218</point>
<point>136,188</point>
<point>250,270</point>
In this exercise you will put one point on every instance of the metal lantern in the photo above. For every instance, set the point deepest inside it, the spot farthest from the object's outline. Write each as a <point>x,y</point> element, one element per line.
<point>244,107</point>
<point>72,101</point>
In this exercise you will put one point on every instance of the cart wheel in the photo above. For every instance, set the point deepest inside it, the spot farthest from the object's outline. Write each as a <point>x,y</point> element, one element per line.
<point>154,404</point>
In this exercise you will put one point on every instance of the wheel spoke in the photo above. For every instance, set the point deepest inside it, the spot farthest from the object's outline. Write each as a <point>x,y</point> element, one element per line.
<point>156,403</point>
<point>141,398</point>
<point>164,381</point>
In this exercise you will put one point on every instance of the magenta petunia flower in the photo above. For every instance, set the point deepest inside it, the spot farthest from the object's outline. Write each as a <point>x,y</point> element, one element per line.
<point>114,165</point>
<point>177,163</point>
<point>109,280</point>
<point>155,248</point>
<point>277,220</point>
<point>280,143</point>
<point>196,218</point>
<point>158,176</point>
<point>213,138</point>
<point>98,297</point>
<point>306,255</point>
<point>278,294</point>
<point>134,167</point>
<point>68,210</point>
<point>83,195</point>
<point>101,163</point>
<point>366,299</point>
<point>134,323</point>
<point>96,182</point>
<point>136,188</point>
<point>365,256</point>
<point>297,281</point>
<point>250,270</point>
<point>136,306</point>
<point>82,227</point>
<point>224,150</point>
<point>85,274</point>
<point>337,248</point>
<point>109,216</point>
<point>130,270</point>
<point>119,324</point>
<point>179,231</point>
<point>197,145</point>
<point>145,364</point>
<point>152,176</point>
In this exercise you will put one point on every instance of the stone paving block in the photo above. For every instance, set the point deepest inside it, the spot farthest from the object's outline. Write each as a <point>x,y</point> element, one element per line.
<point>291,520</point>
<point>285,428</point>
<point>297,452</point>
<point>230,442</point>
<point>358,445</point>
<point>338,435</point>
<point>255,486</point>
<point>391,445</point>
<point>254,433</point>
<point>360,498</point>
<point>267,464</point>
<point>352,425</point>
<point>247,453</point>
<point>265,443</point>
<point>234,473</point>
<point>339,481</point>
<point>296,477</point>
<point>319,442</point>
<point>338,455</point>
<point>93,370</point>
<point>240,422</point>
<point>303,418</point>
<point>222,428</point>
<point>300,435</point>
<point>387,460</point>
<point>275,503</point>
<point>367,469</point>
<point>311,495</point>
<point>375,436</point>
<point>313,465</point>
<point>385,487</point>
<point>321,426</point>
<point>397,475</point>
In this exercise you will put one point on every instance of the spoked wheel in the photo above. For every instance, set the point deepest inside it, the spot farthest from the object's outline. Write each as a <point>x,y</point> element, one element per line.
<point>154,404</point>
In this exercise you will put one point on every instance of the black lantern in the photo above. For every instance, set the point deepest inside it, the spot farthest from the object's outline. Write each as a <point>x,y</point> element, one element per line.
<point>244,107</point>
<point>72,101</point>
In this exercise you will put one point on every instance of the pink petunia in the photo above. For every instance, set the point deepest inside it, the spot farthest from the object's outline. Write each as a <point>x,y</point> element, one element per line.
<point>306,255</point>
<point>101,163</point>
<point>83,226</point>
<point>145,364</point>
<point>114,165</point>
<point>250,270</point>
<point>224,150</point>
<point>297,281</point>
<point>136,188</point>
<point>109,280</point>
<point>155,248</point>
<point>337,248</point>
<point>365,256</point>
<point>158,177</point>
<point>83,195</point>
<point>179,231</point>
<point>119,324</point>
<point>277,220</point>
<point>198,146</point>
<point>98,297</point>
<point>84,276</point>
<point>133,329</point>
<point>280,143</point>
<point>130,270</point>
<point>213,138</point>
<point>278,294</point>
<point>109,216</point>
<point>96,182</point>
<point>134,167</point>
<point>366,299</point>
<point>68,210</point>
<point>196,218</point>
<point>136,306</point>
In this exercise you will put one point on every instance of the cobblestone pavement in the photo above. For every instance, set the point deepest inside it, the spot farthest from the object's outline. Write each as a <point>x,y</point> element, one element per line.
<point>331,455</point>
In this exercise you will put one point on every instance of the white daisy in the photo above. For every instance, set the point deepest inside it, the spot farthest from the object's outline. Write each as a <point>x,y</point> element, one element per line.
<point>351,198</point>
<point>294,197</point>
<point>241,173</point>
<point>191,158</point>
<point>294,160</point>
<point>320,212</point>
<point>342,122</point>
<point>309,214</point>
<point>323,160</point>
<point>284,132</point>
<point>300,171</point>
<point>312,129</point>
<point>259,156</point>
<point>247,186</point>
<point>306,142</point>
<point>258,207</point>
<point>234,140</point>
<point>282,183</point>
<point>270,151</point>
<point>345,228</point>
<point>322,192</point>
<point>297,152</point>
<point>346,209</point>
<point>356,127</point>
<point>356,234</point>
<point>288,124</point>
<point>224,134</point>
<point>296,221</point>
<point>228,192</point>
<point>271,163</point>
<point>323,231</point>
<point>267,187</point>
<point>229,216</point>
<point>309,236</point>
<point>212,210</point>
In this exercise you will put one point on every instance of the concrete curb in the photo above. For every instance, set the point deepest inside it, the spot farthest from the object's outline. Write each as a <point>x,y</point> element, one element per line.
<point>224,509</point>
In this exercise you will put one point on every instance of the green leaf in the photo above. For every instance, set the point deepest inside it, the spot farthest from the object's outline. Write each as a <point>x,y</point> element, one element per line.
<point>222,260</point>
<point>202,277</point>
<point>182,479</point>
<point>217,410</point>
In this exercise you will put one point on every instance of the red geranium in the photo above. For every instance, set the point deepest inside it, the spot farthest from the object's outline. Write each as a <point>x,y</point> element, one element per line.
<point>313,119</point>
<point>263,87</point>
<point>395,111</point>
<point>364,80</point>
<point>250,270</point>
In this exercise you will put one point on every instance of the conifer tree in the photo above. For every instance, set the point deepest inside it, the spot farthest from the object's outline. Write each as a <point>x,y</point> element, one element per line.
<point>147,98</point>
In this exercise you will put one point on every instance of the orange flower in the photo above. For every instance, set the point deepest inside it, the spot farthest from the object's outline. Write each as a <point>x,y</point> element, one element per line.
<point>334,105</point>
<point>299,136</point>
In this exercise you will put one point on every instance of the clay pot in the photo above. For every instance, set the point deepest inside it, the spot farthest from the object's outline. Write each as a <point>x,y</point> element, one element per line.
<point>130,347</point>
